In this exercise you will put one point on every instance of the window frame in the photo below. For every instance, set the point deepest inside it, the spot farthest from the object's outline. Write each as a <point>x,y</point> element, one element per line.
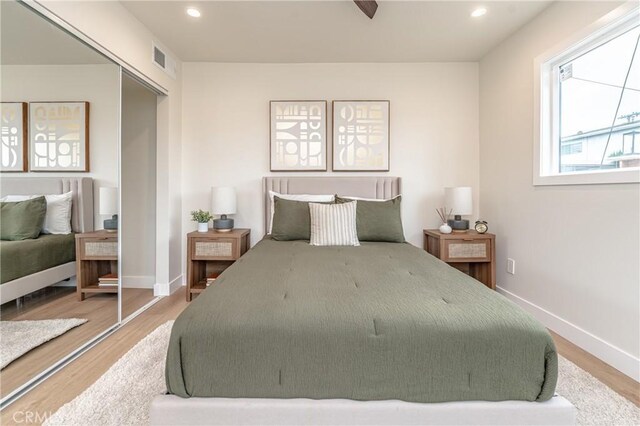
<point>546,155</point>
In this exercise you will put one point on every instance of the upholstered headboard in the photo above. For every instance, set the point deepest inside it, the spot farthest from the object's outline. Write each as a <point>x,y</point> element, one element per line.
<point>378,187</point>
<point>82,188</point>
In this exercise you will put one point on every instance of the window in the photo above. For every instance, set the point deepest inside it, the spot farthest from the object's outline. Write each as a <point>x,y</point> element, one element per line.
<point>589,112</point>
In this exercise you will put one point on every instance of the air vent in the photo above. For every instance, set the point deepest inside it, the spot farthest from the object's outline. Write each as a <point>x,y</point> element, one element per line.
<point>163,61</point>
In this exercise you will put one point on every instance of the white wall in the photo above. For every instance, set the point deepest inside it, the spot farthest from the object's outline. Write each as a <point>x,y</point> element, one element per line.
<point>111,25</point>
<point>138,165</point>
<point>434,129</point>
<point>576,248</point>
<point>97,84</point>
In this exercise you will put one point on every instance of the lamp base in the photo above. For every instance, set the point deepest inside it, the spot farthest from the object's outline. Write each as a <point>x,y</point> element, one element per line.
<point>111,225</point>
<point>223,224</point>
<point>458,224</point>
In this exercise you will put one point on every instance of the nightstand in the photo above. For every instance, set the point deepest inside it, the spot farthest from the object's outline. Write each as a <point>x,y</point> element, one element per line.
<point>210,253</point>
<point>96,261</point>
<point>470,252</point>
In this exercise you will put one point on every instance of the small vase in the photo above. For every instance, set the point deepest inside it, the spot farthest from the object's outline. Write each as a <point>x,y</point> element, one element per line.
<point>445,229</point>
<point>203,227</point>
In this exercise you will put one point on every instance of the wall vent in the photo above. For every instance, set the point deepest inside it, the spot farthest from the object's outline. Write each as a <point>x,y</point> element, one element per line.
<point>163,61</point>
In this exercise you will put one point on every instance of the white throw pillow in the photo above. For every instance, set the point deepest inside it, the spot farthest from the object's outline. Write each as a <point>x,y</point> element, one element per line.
<point>368,199</point>
<point>333,224</point>
<point>296,197</point>
<point>58,217</point>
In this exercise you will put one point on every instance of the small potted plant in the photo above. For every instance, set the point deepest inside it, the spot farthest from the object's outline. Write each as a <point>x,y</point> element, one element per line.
<point>203,218</point>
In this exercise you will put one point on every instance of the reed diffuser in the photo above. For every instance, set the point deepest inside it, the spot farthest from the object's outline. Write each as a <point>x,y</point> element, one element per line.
<point>444,216</point>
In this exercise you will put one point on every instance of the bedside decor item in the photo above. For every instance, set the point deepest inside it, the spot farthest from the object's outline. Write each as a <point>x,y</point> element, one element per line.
<point>361,136</point>
<point>223,202</point>
<point>460,200</point>
<point>298,136</point>
<point>444,216</point>
<point>59,136</point>
<point>203,218</point>
<point>13,137</point>
<point>481,226</point>
<point>109,207</point>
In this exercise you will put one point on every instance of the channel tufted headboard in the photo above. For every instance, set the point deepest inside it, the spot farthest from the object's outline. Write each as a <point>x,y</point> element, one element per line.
<point>379,187</point>
<point>82,188</point>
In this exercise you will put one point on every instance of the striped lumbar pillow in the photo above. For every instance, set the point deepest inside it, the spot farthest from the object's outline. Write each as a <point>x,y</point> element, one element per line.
<point>333,224</point>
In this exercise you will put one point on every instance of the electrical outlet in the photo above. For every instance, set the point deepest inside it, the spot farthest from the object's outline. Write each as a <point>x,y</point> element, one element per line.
<point>511,266</point>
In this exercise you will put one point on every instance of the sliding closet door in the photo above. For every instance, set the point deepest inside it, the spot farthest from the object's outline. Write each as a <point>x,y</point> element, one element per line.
<point>138,174</point>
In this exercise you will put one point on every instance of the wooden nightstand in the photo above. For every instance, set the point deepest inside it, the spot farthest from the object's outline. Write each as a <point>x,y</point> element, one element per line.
<point>470,252</point>
<point>96,256</point>
<point>210,253</point>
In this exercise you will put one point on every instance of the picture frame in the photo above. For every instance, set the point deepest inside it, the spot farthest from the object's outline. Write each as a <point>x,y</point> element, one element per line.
<point>298,136</point>
<point>14,142</point>
<point>361,136</point>
<point>59,136</point>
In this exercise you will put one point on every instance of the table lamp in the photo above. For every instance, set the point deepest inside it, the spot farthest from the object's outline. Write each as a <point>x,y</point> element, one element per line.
<point>109,207</point>
<point>223,202</point>
<point>460,201</point>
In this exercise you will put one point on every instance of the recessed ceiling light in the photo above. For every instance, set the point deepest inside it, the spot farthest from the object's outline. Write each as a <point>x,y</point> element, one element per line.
<point>481,11</point>
<point>193,12</point>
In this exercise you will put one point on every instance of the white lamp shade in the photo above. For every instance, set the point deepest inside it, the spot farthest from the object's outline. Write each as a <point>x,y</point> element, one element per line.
<point>223,200</point>
<point>459,199</point>
<point>108,201</point>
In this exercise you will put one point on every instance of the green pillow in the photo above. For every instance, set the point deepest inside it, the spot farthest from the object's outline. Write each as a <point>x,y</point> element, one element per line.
<point>291,220</point>
<point>378,220</point>
<point>22,220</point>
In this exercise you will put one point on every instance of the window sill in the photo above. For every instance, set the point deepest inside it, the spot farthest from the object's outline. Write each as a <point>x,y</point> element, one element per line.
<point>631,175</point>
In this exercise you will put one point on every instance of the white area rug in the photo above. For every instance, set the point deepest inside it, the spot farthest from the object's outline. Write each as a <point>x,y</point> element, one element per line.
<point>19,337</point>
<point>122,396</point>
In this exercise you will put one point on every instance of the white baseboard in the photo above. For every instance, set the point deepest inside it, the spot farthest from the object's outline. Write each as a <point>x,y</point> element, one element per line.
<point>605,351</point>
<point>132,281</point>
<point>166,289</point>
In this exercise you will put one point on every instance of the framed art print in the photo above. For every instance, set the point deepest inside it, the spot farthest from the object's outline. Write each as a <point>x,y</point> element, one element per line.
<point>13,137</point>
<point>59,136</point>
<point>298,136</point>
<point>361,136</point>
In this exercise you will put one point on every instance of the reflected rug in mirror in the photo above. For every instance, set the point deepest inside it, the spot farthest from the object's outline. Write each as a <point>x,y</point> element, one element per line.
<point>124,393</point>
<point>19,337</point>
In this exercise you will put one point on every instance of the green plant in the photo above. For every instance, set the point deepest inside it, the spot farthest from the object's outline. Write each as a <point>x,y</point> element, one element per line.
<point>201,216</point>
<point>617,153</point>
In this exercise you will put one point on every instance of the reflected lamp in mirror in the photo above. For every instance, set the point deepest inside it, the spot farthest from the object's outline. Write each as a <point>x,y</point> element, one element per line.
<point>460,201</point>
<point>223,203</point>
<point>109,207</point>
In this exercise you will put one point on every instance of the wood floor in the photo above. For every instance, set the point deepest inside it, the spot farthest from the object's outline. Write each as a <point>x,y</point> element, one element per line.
<point>75,378</point>
<point>101,311</point>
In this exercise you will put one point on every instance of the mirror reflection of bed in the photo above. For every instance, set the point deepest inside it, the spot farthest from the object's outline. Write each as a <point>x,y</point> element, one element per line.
<point>43,316</point>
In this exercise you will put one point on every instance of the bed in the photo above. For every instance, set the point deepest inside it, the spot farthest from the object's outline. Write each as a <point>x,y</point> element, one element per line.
<point>378,334</point>
<point>30,265</point>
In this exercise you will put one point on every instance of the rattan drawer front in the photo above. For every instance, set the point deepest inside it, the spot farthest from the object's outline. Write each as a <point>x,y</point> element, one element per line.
<point>477,250</point>
<point>218,249</point>
<point>101,249</point>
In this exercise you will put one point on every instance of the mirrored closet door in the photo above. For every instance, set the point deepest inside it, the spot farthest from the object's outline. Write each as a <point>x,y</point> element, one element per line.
<point>59,184</point>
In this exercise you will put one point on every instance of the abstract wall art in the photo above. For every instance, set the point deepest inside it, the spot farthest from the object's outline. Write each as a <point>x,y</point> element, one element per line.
<point>298,136</point>
<point>361,136</point>
<point>13,137</point>
<point>59,136</point>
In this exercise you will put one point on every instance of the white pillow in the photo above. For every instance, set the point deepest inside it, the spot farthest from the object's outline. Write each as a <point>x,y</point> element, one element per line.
<point>297,197</point>
<point>333,224</point>
<point>368,199</point>
<point>58,217</point>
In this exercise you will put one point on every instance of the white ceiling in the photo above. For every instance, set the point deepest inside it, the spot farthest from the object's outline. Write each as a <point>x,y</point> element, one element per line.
<point>332,31</point>
<point>29,39</point>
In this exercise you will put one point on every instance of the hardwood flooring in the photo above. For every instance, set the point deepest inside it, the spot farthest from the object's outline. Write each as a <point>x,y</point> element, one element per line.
<point>101,310</point>
<point>76,377</point>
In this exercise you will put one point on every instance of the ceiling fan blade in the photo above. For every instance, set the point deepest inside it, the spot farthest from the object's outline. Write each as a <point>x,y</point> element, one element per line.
<point>369,7</point>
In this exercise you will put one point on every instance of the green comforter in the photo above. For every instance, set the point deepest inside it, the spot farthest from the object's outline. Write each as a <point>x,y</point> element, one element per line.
<point>379,321</point>
<point>21,258</point>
